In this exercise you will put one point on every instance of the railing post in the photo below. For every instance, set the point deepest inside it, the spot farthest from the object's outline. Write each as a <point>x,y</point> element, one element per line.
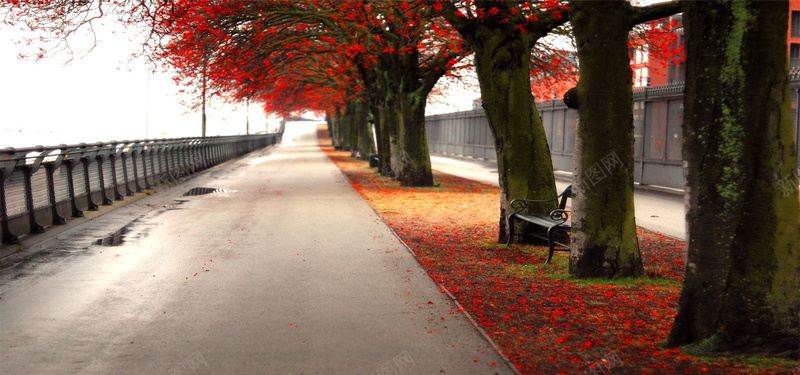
<point>206,153</point>
<point>8,162</point>
<point>214,151</point>
<point>73,158</point>
<point>176,159</point>
<point>155,162</point>
<point>102,153</point>
<point>153,155</point>
<point>125,155</point>
<point>88,158</point>
<point>169,148</point>
<point>184,158</point>
<point>135,150</point>
<point>145,150</point>
<point>190,157</point>
<point>51,167</point>
<point>116,152</point>
<point>28,170</point>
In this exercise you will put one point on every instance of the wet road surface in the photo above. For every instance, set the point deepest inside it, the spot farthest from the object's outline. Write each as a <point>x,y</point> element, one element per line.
<point>272,264</point>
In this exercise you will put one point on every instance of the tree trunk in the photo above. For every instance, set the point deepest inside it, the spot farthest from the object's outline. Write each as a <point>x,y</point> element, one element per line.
<point>741,292</point>
<point>366,141</point>
<point>406,97</point>
<point>415,163</point>
<point>329,122</point>
<point>352,117</point>
<point>376,91</point>
<point>604,240</point>
<point>378,110</point>
<point>340,141</point>
<point>524,165</point>
<point>502,61</point>
<point>360,132</point>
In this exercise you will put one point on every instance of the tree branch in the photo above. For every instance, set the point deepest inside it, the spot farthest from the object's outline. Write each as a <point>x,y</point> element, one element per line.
<point>654,12</point>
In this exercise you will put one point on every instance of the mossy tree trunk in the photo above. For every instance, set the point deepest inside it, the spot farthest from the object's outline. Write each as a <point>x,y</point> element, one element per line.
<point>360,132</point>
<point>407,90</point>
<point>604,240</point>
<point>502,60</point>
<point>376,90</point>
<point>382,131</point>
<point>525,167</point>
<point>352,117</point>
<point>393,125</point>
<point>329,122</point>
<point>398,90</point>
<point>340,129</point>
<point>414,168</point>
<point>741,292</point>
<point>385,132</point>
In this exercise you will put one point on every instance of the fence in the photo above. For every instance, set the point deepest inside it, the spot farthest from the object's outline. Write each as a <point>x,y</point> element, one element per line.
<point>657,114</point>
<point>41,186</point>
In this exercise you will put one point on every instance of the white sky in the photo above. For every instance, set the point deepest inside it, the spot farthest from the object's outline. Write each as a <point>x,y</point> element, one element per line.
<point>100,97</point>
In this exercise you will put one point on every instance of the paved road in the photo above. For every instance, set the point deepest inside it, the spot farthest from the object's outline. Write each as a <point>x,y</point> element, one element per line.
<point>288,271</point>
<point>658,211</point>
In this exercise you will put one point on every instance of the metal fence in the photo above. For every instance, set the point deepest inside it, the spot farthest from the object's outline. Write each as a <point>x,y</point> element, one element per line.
<point>42,186</point>
<point>657,115</point>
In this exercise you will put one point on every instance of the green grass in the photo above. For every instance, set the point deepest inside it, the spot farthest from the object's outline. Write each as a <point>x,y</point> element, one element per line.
<point>558,269</point>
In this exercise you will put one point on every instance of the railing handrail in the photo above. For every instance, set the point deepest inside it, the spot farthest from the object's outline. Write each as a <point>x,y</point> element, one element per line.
<point>41,148</point>
<point>93,174</point>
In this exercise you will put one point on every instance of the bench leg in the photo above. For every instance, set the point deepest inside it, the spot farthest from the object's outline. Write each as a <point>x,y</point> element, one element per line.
<point>510,226</point>
<point>551,239</point>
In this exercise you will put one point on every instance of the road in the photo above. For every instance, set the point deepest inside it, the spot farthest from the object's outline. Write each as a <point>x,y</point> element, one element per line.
<point>282,269</point>
<point>657,210</point>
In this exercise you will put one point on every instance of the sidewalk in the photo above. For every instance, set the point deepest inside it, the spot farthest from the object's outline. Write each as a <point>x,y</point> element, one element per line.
<point>286,271</point>
<point>657,210</point>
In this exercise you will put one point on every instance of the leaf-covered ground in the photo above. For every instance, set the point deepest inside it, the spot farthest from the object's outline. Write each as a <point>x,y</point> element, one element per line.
<point>544,321</point>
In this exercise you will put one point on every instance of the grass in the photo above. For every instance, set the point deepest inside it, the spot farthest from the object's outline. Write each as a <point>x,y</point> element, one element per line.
<point>558,269</point>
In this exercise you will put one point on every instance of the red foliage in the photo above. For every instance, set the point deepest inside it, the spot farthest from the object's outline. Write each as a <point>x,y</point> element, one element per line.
<point>660,41</point>
<point>301,56</point>
<point>544,322</point>
<point>553,70</point>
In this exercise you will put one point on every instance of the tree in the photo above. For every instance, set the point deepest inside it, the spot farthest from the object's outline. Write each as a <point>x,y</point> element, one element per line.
<point>397,47</point>
<point>266,52</point>
<point>604,238</point>
<point>395,39</point>
<point>502,34</point>
<point>741,293</point>
<point>409,50</point>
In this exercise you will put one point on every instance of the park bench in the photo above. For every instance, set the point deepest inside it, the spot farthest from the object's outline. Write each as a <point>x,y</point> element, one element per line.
<point>553,227</point>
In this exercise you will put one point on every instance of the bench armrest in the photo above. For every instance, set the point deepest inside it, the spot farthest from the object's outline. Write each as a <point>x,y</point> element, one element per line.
<point>519,205</point>
<point>560,215</point>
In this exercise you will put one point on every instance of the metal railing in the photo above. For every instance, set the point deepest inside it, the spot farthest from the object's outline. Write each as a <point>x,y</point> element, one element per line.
<point>658,118</point>
<point>42,186</point>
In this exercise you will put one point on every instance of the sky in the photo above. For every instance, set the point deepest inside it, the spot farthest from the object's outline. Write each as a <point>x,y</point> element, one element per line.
<point>101,96</point>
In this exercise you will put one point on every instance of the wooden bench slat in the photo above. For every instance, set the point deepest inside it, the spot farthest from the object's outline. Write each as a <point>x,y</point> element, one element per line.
<point>542,220</point>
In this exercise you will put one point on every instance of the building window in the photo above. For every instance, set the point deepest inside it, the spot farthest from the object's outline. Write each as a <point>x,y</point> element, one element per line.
<point>795,24</point>
<point>676,71</point>
<point>639,60</point>
<point>794,56</point>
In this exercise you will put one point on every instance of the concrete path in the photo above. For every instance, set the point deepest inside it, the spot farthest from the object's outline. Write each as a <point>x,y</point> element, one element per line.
<point>288,271</point>
<point>656,210</point>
